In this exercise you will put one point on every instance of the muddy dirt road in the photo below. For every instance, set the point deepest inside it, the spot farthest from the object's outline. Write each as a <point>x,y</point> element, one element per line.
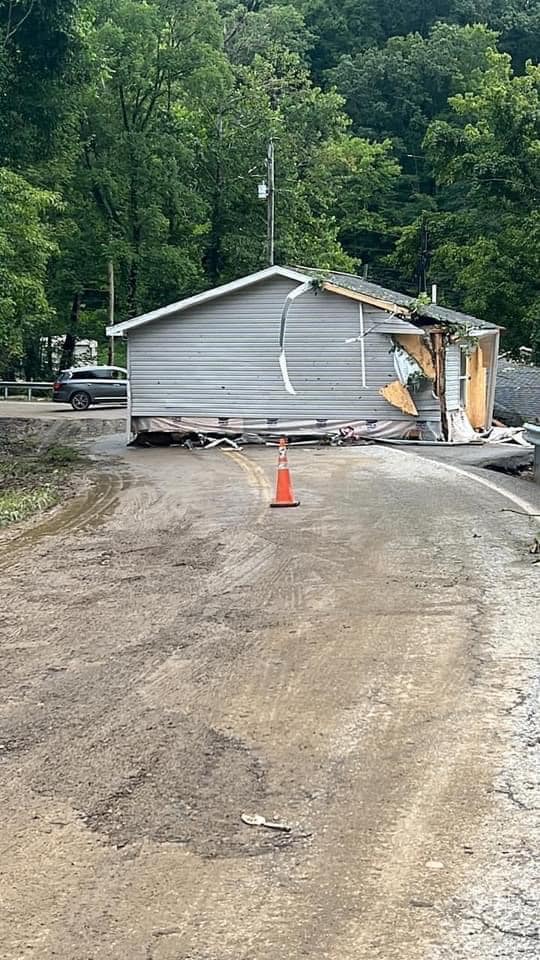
<point>176,654</point>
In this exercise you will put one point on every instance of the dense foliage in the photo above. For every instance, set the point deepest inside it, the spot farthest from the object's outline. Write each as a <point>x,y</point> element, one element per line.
<point>134,133</point>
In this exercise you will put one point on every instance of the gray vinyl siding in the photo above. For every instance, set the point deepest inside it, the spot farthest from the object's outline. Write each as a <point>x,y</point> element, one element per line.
<point>385,322</point>
<point>453,370</point>
<point>220,359</point>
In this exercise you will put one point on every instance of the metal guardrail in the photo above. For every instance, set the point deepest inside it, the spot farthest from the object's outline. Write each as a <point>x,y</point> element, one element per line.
<point>25,386</point>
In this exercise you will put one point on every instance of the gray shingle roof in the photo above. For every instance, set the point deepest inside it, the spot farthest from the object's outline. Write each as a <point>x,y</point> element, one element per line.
<point>430,311</point>
<point>517,395</point>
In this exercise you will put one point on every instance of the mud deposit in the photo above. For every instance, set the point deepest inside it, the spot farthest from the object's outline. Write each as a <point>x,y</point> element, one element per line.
<point>175,654</point>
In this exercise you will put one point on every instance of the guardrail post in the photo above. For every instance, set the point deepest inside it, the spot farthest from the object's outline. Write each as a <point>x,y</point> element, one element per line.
<point>532,434</point>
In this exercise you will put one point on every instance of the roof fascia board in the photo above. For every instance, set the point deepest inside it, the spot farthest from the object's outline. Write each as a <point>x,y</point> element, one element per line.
<point>365,298</point>
<point>484,331</point>
<point>432,326</point>
<point>212,294</point>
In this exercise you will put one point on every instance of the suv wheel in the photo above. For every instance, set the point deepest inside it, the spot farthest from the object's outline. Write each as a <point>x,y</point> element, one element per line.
<point>80,400</point>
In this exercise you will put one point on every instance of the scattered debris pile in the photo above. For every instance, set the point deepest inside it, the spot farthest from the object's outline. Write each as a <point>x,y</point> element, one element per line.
<point>347,435</point>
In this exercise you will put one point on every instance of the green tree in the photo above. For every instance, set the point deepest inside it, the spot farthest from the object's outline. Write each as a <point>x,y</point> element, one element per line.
<point>25,249</point>
<point>252,28</point>
<point>324,177</point>
<point>518,22</point>
<point>344,28</point>
<point>150,119</point>
<point>174,134</point>
<point>39,44</point>
<point>347,27</point>
<point>394,93</point>
<point>139,141</point>
<point>37,76</point>
<point>486,159</point>
<point>398,90</point>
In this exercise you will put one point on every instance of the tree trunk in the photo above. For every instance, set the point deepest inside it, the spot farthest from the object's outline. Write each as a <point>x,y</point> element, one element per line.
<point>32,359</point>
<point>133,277</point>
<point>132,291</point>
<point>68,349</point>
<point>214,255</point>
<point>49,356</point>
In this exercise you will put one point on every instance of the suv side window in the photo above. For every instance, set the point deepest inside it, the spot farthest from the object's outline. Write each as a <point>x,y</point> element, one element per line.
<point>83,375</point>
<point>118,375</point>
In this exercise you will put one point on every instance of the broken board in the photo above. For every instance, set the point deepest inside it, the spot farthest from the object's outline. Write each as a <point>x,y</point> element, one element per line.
<point>398,395</point>
<point>476,405</point>
<point>419,351</point>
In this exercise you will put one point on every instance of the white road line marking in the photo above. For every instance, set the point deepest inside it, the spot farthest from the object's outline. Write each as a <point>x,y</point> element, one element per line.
<point>518,501</point>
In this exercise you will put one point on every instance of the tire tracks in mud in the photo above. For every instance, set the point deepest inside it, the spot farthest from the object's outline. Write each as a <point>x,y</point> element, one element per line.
<point>86,510</point>
<point>256,478</point>
<point>310,671</point>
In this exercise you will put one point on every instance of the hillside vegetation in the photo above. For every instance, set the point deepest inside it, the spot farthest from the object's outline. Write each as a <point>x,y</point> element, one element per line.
<point>135,132</point>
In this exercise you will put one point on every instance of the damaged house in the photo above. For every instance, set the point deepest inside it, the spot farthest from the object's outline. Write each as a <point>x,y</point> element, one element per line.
<point>301,351</point>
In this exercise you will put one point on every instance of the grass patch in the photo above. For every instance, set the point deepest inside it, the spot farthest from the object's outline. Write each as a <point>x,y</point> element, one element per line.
<point>18,505</point>
<point>33,477</point>
<point>61,456</point>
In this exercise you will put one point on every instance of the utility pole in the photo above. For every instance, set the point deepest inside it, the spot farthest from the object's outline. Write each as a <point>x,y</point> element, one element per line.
<point>423,260</point>
<point>271,202</point>
<point>111,310</point>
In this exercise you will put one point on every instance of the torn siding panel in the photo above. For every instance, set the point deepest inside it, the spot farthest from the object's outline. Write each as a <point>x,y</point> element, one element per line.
<point>299,291</point>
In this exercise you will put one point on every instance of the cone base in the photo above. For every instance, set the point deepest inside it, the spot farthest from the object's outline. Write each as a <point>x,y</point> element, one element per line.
<point>276,503</point>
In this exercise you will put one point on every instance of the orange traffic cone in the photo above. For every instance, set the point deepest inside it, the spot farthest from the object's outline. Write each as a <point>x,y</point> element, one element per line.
<point>284,487</point>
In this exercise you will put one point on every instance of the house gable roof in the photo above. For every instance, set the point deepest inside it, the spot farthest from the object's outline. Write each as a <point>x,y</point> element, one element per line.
<point>335,282</point>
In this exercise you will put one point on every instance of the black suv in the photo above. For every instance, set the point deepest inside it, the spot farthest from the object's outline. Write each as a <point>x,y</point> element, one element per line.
<point>82,386</point>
